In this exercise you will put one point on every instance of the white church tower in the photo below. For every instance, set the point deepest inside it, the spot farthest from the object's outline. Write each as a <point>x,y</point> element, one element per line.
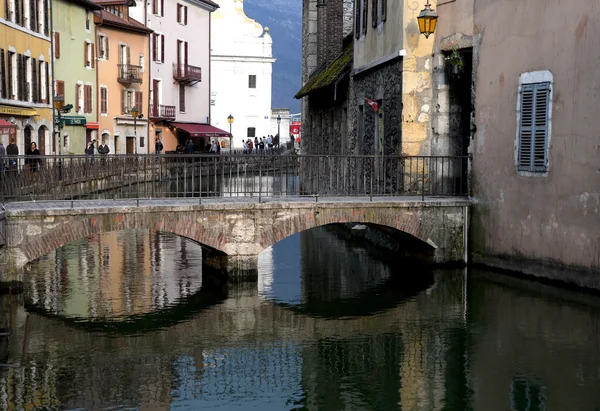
<point>241,73</point>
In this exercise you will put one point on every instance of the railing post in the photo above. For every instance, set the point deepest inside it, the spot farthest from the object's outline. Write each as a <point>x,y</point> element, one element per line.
<point>423,182</point>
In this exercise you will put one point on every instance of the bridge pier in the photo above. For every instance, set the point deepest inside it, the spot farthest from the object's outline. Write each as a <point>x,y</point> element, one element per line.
<point>243,267</point>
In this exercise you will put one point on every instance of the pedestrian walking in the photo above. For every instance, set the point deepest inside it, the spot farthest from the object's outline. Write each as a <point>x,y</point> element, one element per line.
<point>103,150</point>
<point>33,161</point>
<point>190,147</point>
<point>12,151</point>
<point>250,146</point>
<point>158,146</point>
<point>2,158</point>
<point>261,146</point>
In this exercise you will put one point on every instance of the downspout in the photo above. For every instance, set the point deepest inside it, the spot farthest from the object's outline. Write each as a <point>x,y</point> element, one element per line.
<point>52,88</point>
<point>209,69</point>
<point>96,40</point>
<point>149,64</point>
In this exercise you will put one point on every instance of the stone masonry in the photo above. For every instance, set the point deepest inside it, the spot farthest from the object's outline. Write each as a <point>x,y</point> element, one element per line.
<point>232,234</point>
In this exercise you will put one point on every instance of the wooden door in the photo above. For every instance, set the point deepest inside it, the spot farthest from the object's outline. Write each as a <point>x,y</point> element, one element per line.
<point>42,140</point>
<point>130,149</point>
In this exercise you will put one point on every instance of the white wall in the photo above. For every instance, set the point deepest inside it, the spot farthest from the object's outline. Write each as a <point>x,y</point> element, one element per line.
<point>240,47</point>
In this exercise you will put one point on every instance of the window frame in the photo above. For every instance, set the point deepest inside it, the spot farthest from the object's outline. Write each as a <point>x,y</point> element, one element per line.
<point>252,81</point>
<point>253,132</point>
<point>538,84</point>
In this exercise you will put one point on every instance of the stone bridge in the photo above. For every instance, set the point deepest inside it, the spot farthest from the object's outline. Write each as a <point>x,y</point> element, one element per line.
<point>232,232</point>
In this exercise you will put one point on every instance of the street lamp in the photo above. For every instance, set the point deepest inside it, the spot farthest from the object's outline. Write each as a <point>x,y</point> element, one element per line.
<point>136,114</point>
<point>427,20</point>
<point>59,102</point>
<point>278,128</point>
<point>230,121</point>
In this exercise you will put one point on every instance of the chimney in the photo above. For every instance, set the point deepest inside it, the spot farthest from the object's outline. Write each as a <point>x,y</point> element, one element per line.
<point>321,32</point>
<point>335,28</point>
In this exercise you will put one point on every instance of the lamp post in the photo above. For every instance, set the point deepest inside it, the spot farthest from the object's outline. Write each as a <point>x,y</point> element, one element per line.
<point>230,121</point>
<point>136,114</point>
<point>59,102</point>
<point>278,128</point>
<point>427,20</point>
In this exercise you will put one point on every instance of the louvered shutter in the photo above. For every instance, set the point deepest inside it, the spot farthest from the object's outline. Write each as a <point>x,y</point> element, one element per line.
<point>365,16</point>
<point>77,100</point>
<point>85,53</point>
<point>154,4</point>
<point>9,71</point>
<point>185,15</point>
<point>18,5</point>
<point>128,51</point>
<point>57,45</point>
<point>178,13</point>
<point>93,55</point>
<point>124,102</point>
<point>106,44</point>
<point>374,13</point>
<point>139,101</point>
<point>46,17</point>
<point>185,56</point>
<point>357,18</point>
<point>2,74</point>
<point>35,96</point>
<point>182,98</point>
<point>533,128</point>
<point>47,81</point>
<point>162,8</point>
<point>20,77</point>
<point>162,48</point>
<point>383,10</point>
<point>7,10</point>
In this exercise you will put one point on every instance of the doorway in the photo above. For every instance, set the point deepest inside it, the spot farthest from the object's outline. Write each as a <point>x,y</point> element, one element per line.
<point>117,145</point>
<point>42,140</point>
<point>27,140</point>
<point>130,143</point>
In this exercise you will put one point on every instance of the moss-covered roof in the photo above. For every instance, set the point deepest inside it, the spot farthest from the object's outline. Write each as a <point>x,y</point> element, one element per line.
<point>330,74</point>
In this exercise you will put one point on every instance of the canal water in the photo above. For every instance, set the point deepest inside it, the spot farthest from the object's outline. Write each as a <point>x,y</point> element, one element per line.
<point>127,320</point>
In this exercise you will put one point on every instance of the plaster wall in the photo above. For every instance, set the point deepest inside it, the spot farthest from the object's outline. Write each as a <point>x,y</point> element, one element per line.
<point>538,224</point>
<point>240,47</point>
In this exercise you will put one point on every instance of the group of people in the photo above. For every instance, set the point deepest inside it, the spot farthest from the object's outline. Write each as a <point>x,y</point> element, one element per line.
<point>189,148</point>
<point>259,146</point>
<point>32,162</point>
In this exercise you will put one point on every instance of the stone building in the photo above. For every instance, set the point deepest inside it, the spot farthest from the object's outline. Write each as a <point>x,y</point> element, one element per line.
<point>536,183</point>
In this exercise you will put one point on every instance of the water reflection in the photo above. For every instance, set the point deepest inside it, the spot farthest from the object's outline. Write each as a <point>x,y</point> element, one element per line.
<point>486,344</point>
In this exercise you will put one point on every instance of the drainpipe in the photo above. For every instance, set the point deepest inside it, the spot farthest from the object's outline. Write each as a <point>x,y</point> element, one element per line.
<point>149,65</point>
<point>96,40</point>
<point>50,87</point>
<point>209,67</point>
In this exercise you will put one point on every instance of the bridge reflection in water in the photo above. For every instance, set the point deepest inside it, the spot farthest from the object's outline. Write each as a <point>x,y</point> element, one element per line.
<point>282,345</point>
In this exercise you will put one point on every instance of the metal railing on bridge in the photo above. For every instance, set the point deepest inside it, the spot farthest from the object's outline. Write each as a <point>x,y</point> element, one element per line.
<point>38,178</point>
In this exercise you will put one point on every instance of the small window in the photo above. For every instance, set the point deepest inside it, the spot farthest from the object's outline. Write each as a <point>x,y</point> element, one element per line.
<point>252,81</point>
<point>88,19</point>
<point>181,14</point>
<point>142,141</point>
<point>533,127</point>
<point>103,47</point>
<point>251,132</point>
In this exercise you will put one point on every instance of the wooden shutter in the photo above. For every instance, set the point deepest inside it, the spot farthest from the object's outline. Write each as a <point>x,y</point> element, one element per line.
<point>2,74</point>
<point>154,4</point>
<point>128,53</point>
<point>154,47</point>
<point>383,10</point>
<point>107,51</point>
<point>374,13</point>
<point>35,92</point>
<point>77,101</point>
<point>103,100</point>
<point>155,98</point>
<point>85,53</point>
<point>162,8</point>
<point>9,73</point>
<point>20,77</point>
<point>139,103</point>
<point>182,98</point>
<point>185,15</point>
<point>124,102</point>
<point>18,5</point>
<point>7,10</point>
<point>365,16</point>
<point>162,48</point>
<point>33,15</point>
<point>46,17</point>
<point>47,80</point>
<point>185,55</point>
<point>57,44</point>
<point>93,55</point>
<point>60,88</point>
<point>178,13</point>
<point>533,127</point>
<point>87,91</point>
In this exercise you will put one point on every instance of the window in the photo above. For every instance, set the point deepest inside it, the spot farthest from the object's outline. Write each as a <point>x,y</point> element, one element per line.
<point>534,123</point>
<point>103,100</point>
<point>87,103</point>
<point>127,101</point>
<point>158,47</point>
<point>88,19</point>
<point>378,12</point>
<point>78,97</point>
<point>158,7</point>
<point>181,14</point>
<point>252,81</point>
<point>360,17</point>
<point>182,98</point>
<point>142,141</point>
<point>57,44</point>
<point>88,55</point>
<point>103,47</point>
<point>251,132</point>
<point>30,14</point>
<point>60,88</point>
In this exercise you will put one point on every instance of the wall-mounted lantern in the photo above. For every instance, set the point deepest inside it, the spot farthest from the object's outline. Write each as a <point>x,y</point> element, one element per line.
<point>427,20</point>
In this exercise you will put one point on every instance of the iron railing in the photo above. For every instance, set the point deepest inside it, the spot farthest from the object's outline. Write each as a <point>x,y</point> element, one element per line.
<point>187,72</point>
<point>128,73</point>
<point>229,175</point>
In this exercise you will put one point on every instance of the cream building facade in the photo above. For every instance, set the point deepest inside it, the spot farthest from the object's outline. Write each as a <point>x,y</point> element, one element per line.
<point>241,73</point>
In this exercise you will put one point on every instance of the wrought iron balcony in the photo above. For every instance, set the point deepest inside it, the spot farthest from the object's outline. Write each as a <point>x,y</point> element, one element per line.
<point>128,73</point>
<point>186,74</point>
<point>162,112</point>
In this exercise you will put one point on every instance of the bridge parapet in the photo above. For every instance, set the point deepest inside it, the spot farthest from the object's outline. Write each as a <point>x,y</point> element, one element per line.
<point>232,233</point>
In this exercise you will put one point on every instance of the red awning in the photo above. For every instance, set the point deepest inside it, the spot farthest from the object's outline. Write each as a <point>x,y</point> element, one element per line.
<point>92,126</point>
<point>201,130</point>
<point>6,124</point>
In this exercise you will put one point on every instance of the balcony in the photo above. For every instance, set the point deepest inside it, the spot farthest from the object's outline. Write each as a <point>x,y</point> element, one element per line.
<point>128,73</point>
<point>186,74</point>
<point>161,112</point>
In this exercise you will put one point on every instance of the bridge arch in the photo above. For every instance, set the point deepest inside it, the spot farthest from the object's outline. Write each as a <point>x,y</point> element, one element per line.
<point>235,232</point>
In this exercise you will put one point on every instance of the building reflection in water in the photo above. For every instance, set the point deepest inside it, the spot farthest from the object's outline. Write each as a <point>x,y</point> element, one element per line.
<point>118,274</point>
<point>261,347</point>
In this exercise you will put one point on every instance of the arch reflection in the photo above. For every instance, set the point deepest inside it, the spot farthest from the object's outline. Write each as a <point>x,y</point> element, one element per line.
<point>125,281</point>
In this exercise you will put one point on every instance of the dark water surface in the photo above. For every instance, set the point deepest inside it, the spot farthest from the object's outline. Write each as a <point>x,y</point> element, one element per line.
<point>126,321</point>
